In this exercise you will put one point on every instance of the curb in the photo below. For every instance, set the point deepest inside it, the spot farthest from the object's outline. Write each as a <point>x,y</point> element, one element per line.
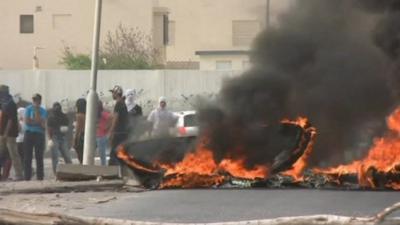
<point>22,187</point>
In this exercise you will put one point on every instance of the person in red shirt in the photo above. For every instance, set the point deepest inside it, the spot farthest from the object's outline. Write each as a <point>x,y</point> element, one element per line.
<point>103,125</point>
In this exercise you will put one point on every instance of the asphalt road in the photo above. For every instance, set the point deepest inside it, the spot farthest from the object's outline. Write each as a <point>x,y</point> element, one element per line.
<point>202,206</point>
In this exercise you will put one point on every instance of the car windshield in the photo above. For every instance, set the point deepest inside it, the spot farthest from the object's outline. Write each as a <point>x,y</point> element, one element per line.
<point>190,120</point>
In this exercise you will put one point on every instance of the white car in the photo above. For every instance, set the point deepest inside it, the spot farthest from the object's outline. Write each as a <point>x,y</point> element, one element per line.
<point>186,125</point>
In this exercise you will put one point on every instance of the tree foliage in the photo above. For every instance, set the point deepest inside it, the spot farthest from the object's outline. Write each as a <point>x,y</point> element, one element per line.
<point>75,61</point>
<point>124,48</point>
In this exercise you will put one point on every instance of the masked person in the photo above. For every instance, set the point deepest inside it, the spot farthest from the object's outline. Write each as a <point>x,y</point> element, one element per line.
<point>57,127</point>
<point>35,124</point>
<point>162,119</point>
<point>118,131</point>
<point>134,112</point>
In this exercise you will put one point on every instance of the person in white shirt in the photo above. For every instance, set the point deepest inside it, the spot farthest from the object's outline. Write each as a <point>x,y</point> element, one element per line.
<point>162,119</point>
<point>21,133</point>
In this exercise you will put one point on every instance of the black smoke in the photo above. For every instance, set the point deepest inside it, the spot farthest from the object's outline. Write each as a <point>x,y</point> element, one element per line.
<point>331,61</point>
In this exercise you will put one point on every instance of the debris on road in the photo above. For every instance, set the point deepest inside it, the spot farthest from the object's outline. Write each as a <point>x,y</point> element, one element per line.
<point>11,217</point>
<point>104,200</point>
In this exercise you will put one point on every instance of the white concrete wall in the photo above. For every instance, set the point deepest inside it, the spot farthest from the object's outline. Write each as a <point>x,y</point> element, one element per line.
<point>208,62</point>
<point>67,86</point>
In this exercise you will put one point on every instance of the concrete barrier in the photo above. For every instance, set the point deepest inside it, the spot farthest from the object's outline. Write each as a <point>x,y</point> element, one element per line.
<point>66,86</point>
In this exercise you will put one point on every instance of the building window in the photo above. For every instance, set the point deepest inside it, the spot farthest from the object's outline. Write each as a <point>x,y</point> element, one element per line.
<point>223,65</point>
<point>244,31</point>
<point>26,24</point>
<point>165,29</point>
<point>171,33</point>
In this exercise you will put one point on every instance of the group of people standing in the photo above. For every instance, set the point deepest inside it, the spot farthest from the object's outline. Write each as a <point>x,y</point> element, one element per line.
<point>23,131</point>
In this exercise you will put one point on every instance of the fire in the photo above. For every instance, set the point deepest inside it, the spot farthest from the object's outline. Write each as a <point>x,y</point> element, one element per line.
<point>199,169</point>
<point>131,161</point>
<point>236,168</point>
<point>300,121</point>
<point>383,156</point>
<point>394,186</point>
<point>199,162</point>
<point>301,164</point>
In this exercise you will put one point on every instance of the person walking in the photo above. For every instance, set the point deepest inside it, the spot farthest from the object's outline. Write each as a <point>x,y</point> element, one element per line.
<point>35,124</point>
<point>9,130</point>
<point>118,131</point>
<point>103,124</point>
<point>79,135</point>
<point>57,127</point>
<point>162,119</point>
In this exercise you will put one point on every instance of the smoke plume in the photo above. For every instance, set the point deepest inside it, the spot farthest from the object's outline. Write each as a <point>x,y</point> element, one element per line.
<point>333,62</point>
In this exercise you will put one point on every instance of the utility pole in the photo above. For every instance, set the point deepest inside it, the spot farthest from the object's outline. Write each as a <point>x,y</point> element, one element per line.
<point>268,13</point>
<point>89,146</point>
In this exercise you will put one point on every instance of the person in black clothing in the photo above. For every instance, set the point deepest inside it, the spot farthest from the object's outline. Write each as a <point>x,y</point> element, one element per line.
<point>5,161</point>
<point>57,127</point>
<point>135,113</point>
<point>118,131</point>
<point>9,130</point>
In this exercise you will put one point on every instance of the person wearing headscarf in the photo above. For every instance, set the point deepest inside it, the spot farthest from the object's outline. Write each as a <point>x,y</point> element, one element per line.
<point>134,112</point>
<point>133,108</point>
<point>162,119</point>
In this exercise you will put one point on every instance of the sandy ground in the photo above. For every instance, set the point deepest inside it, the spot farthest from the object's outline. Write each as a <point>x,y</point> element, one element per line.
<point>58,202</point>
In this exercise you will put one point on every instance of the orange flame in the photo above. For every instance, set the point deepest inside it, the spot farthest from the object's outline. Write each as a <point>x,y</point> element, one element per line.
<point>384,155</point>
<point>394,186</point>
<point>301,164</point>
<point>124,156</point>
<point>199,169</point>
<point>199,162</point>
<point>300,121</point>
<point>236,168</point>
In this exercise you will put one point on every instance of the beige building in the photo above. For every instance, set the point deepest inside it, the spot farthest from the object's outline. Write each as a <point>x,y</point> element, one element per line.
<point>191,34</point>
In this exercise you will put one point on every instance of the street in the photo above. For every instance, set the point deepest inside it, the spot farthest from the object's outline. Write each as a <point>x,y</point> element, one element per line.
<point>200,205</point>
<point>237,205</point>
